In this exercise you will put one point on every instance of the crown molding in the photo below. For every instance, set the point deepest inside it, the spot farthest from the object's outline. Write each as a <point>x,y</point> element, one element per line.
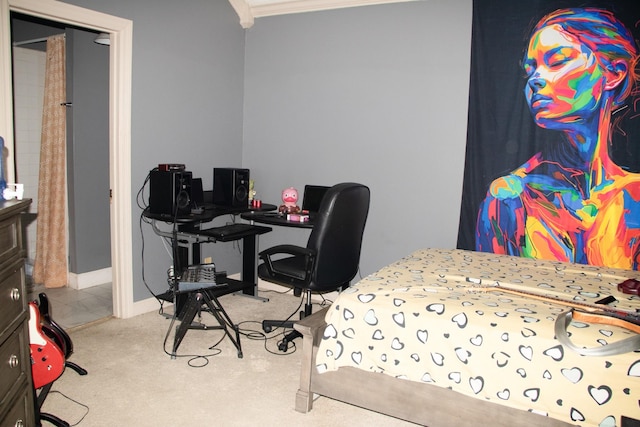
<point>248,10</point>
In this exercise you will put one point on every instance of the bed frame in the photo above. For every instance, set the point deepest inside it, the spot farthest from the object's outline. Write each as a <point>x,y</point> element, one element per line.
<point>415,402</point>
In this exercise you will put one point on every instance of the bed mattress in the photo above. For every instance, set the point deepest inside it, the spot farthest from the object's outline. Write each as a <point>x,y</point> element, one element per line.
<point>466,321</point>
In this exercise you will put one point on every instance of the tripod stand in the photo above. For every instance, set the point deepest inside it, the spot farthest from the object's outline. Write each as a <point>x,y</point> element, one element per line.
<point>194,305</point>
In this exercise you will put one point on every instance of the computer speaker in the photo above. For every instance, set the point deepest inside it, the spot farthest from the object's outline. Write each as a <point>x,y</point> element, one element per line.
<point>231,187</point>
<point>170,192</point>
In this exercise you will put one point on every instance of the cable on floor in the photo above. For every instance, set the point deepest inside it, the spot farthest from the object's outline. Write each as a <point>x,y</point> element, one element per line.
<point>203,358</point>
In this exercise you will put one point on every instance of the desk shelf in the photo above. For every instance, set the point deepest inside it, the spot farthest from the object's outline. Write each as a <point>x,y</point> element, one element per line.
<point>271,218</point>
<point>232,286</point>
<point>231,232</point>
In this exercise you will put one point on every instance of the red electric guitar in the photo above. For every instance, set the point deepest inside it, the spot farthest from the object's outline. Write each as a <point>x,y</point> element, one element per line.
<point>47,359</point>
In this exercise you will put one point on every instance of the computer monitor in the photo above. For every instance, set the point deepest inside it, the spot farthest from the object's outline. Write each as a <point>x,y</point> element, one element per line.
<point>312,197</point>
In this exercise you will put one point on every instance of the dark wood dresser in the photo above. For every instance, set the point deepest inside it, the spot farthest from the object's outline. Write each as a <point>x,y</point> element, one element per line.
<point>16,389</point>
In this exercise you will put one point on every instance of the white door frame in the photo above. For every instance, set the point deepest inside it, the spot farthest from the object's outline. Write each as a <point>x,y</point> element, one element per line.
<point>120,60</point>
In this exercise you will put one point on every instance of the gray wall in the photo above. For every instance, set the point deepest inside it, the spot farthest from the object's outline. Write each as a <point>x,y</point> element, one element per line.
<point>374,94</point>
<point>187,94</point>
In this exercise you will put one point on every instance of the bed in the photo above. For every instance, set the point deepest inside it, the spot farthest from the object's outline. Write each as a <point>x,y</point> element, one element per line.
<point>455,338</point>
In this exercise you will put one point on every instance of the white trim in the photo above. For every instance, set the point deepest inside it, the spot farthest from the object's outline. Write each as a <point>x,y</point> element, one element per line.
<point>244,13</point>
<point>248,10</point>
<point>263,285</point>
<point>148,305</point>
<point>90,278</point>
<point>120,64</point>
<point>151,304</point>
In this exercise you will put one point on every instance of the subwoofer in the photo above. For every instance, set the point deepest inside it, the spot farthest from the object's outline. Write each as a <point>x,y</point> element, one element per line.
<point>231,187</point>
<point>170,192</point>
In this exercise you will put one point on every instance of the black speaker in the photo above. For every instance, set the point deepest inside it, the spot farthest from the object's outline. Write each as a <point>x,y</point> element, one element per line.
<point>170,192</point>
<point>231,187</point>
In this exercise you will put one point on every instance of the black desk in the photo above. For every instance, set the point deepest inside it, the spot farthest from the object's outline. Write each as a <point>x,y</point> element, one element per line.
<point>274,218</point>
<point>189,228</point>
<point>189,304</point>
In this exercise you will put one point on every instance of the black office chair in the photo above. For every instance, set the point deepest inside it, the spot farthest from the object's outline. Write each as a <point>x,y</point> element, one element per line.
<point>332,255</point>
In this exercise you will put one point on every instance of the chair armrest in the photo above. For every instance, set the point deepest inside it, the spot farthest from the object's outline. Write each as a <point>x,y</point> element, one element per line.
<point>285,249</point>
<point>293,250</point>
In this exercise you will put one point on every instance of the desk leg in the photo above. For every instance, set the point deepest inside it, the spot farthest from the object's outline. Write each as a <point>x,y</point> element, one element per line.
<point>249,256</point>
<point>193,306</point>
<point>224,320</point>
<point>187,314</point>
<point>195,253</point>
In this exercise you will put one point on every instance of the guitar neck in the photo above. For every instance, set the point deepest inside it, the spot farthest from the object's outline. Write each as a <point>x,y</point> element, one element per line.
<point>618,313</point>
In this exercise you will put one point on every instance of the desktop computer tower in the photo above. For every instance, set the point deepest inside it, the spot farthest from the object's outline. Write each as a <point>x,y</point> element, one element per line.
<point>170,192</point>
<point>231,187</point>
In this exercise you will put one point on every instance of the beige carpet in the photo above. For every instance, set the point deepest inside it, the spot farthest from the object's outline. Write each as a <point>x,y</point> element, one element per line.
<point>133,382</point>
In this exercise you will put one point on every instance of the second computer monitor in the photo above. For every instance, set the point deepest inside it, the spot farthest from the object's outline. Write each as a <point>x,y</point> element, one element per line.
<point>312,197</point>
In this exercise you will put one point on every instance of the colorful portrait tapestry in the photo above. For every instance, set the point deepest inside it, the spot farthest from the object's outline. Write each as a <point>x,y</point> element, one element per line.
<point>552,168</point>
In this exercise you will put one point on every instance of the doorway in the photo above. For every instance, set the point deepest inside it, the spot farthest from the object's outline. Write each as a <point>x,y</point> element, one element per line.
<point>87,296</point>
<point>119,123</point>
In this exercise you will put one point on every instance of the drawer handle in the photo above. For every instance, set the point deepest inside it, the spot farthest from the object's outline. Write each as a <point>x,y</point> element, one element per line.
<point>14,362</point>
<point>19,423</point>
<point>15,294</point>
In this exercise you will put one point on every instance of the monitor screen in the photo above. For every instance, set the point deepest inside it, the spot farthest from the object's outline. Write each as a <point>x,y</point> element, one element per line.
<point>312,197</point>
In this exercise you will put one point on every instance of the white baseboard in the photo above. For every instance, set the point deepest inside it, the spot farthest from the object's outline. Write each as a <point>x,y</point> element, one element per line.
<point>148,305</point>
<point>268,286</point>
<point>90,279</point>
<point>151,304</point>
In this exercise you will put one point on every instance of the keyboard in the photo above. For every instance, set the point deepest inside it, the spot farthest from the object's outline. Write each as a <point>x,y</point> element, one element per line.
<point>233,229</point>
<point>227,231</point>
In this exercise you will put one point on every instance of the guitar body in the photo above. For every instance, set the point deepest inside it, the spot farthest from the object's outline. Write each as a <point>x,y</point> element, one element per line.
<point>47,359</point>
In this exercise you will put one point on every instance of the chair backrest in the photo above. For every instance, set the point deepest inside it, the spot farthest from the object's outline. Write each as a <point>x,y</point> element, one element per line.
<point>337,235</point>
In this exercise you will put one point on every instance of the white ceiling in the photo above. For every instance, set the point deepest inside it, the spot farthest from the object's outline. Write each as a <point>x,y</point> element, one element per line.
<point>248,10</point>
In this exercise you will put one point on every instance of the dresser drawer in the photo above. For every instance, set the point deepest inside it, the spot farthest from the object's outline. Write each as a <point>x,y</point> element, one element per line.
<point>15,359</point>
<point>10,239</point>
<point>22,412</point>
<point>12,294</point>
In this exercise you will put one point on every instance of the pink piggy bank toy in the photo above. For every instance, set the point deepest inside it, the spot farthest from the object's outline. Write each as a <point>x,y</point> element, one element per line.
<point>289,199</point>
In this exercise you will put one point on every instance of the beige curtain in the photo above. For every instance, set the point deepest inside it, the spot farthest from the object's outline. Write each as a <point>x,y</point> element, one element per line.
<point>50,266</point>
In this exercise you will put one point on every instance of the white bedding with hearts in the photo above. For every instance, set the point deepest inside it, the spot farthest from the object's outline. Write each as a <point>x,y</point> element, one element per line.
<point>436,316</point>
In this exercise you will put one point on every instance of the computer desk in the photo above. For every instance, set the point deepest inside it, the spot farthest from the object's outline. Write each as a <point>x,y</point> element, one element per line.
<point>188,227</point>
<point>275,218</point>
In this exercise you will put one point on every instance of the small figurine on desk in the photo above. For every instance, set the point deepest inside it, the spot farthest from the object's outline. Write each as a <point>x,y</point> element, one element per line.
<point>253,202</point>
<point>252,191</point>
<point>290,198</point>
